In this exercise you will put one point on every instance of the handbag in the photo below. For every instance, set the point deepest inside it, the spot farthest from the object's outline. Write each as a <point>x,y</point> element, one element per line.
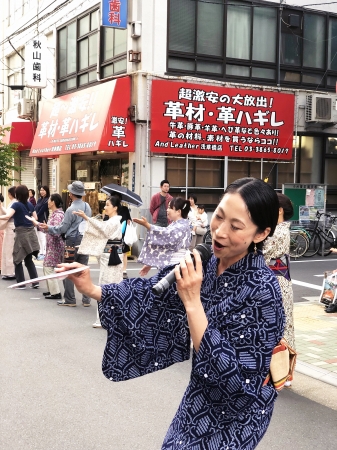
<point>329,288</point>
<point>201,231</point>
<point>282,365</point>
<point>112,247</point>
<point>69,254</point>
<point>130,236</point>
<point>70,250</point>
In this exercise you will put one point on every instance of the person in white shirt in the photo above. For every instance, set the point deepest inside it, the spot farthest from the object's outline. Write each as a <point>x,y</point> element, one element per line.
<point>200,227</point>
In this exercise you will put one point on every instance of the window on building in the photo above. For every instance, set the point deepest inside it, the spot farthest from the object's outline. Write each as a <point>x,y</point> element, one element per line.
<point>291,38</point>
<point>240,39</point>
<point>204,173</point>
<point>222,38</point>
<point>265,34</point>
<point>210,23</point>
<point>332,44</point>
<point>114,51</point>
<point>238,42</point>
<point>15,77</point>
<point>181,29</point>
<point>77,52</point>
<point>313,44</point>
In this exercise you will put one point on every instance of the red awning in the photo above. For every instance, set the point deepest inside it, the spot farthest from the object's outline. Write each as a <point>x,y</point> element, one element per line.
<point>21,133</point>
<point>86,121</point>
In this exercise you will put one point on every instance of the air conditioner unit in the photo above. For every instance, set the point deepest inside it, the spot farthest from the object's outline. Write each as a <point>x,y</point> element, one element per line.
<point>25,107</point>
<point>320,108</point>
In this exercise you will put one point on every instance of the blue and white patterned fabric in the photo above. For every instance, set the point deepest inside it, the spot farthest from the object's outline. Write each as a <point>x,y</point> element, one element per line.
<point>161,244</point>
<point>225,405</point>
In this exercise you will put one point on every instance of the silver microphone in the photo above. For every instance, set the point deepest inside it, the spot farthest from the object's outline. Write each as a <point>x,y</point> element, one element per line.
<point>205,252</point>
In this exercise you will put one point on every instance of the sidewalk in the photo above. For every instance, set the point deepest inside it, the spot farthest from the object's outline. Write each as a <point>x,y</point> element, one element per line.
<point>316,340</point>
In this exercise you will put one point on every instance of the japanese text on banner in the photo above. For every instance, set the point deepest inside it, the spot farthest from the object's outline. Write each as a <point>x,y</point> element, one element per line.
<point>204,120</point>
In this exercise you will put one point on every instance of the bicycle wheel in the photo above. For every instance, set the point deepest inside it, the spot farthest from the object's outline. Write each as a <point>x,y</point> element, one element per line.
<point>314,245</point>
<point>328,242</point>
<point>299,244</point>
<point>207,238</point>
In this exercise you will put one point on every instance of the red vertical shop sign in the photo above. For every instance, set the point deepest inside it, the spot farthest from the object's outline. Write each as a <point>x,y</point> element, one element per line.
<point>198,119</point>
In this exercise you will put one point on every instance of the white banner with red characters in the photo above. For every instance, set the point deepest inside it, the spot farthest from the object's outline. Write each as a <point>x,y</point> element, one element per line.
<point>85,121</point>
<point>198,119</point>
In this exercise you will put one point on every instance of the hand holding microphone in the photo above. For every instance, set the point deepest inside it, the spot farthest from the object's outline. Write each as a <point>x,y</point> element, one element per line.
<point>205,253</point>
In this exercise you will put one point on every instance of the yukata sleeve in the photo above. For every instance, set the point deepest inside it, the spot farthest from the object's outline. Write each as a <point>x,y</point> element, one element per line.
<point>234,357</point>
<point>168,238</point>
<point>204,220</point>
<point>109,229</point>
<point>68,219</point>
<point>54,220</point>
<point>160,244</point>
<point>145,333</point>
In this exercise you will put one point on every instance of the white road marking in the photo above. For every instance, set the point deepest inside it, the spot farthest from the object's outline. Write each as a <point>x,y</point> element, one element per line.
<point>308,285</point>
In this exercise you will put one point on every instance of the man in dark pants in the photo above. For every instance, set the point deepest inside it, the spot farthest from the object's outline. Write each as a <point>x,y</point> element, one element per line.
<point>71,227</point>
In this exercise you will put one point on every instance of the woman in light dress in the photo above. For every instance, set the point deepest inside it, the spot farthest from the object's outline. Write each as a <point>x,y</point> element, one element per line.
<point>7,264</point>
<point>103,239</point>
<point>192,217</point>
<point>165,246</point>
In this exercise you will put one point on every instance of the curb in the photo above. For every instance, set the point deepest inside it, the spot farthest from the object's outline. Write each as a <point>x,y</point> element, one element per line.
<point>316,372</point>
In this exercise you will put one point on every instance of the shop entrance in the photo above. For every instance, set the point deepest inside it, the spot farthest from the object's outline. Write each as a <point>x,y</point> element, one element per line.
<point>101,168</point>
<point>96,170</point>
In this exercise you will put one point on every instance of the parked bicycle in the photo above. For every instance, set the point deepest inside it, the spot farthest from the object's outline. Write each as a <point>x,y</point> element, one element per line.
<point>319,236</point>
<point>299,243</point>
<point>306,240</point>
<point>207,239</point>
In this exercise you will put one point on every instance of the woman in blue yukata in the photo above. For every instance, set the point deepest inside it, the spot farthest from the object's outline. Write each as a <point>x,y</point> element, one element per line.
<point>165,246</point>
<point>230,305</point>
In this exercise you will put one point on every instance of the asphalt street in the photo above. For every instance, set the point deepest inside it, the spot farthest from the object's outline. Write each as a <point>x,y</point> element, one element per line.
<point>53,394</point>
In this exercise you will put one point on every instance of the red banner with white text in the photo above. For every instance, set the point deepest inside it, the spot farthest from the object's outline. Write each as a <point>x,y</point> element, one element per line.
<point>199,119</point>
<point>88,120</point>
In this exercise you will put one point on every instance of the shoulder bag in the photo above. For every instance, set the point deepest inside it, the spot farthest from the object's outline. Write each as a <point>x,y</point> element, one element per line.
<point>282,365</point>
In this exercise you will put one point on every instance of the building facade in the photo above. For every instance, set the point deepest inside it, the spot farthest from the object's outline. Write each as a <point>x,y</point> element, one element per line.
<point>286,53</point>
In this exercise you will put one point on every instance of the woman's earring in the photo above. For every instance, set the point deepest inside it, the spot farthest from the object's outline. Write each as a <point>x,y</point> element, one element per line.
<point>255,250</point>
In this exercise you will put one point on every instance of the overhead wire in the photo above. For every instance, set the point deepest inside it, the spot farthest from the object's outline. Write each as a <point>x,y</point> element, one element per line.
<point>25,26</point>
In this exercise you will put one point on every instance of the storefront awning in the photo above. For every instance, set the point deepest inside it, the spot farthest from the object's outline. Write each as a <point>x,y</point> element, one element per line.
<point>21,133</point>
<point>86,121</point>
